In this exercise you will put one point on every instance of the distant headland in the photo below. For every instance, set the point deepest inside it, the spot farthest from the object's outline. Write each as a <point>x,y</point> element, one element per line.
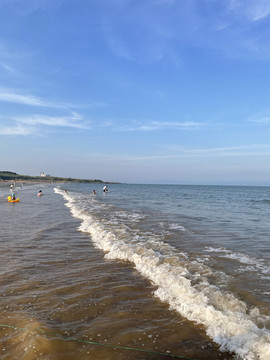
<point>12,176</point>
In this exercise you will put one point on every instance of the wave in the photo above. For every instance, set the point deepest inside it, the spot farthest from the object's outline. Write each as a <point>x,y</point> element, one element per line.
<point>253,264</point>
<point>182,283</point>
<point>261,201</point>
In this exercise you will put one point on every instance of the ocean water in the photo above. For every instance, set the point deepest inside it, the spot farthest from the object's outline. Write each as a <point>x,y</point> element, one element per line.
<point>141,272</point>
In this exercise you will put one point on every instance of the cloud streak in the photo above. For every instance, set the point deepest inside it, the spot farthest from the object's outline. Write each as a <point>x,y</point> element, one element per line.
<point>162,125</point>
<point>17,129</point>
<point>54,121</point>
<point>253,10</point>
<point>15,97</point>
<point>264,120</point>
<point>35,124</point>
<point>230,26</point>
<point>233,151</point>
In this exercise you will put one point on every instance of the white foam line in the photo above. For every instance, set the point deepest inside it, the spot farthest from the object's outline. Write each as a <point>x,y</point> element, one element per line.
<point>224,317</point>
<point>242,258</point>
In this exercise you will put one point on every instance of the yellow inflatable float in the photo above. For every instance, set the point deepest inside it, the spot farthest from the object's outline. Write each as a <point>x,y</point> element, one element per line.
<point>10,199</point>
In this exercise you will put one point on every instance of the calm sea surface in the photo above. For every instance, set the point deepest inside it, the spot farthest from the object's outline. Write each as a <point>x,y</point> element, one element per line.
<point>141,272</point>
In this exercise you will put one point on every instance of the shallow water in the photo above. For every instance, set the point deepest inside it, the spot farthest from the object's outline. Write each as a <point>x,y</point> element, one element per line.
<point>142,272</point>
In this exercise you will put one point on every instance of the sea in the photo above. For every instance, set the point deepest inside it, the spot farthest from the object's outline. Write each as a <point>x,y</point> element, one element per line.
<point>141,272</point>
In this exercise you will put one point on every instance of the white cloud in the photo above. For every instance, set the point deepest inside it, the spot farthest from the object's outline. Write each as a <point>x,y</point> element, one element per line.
<point>11,60</point>
<point>233,151</point>
<point>32,124</point>
<point>162,125</point>
<point>11,96</point>
<point>264,120</point>
<point>231,26</point>
<point>65,121</point>
<point>15,98</point>
<point>244,150</point>
<point>178,125</point>
<point>253,10</point>
<point>17,130</point>
<point>9,69</point>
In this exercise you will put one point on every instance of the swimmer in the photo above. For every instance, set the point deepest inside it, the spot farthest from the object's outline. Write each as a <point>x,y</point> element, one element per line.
<point>40,193</point>
<point>94,192</point>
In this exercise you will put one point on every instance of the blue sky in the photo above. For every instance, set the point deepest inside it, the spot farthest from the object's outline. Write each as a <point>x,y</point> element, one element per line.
<point>139,91</point>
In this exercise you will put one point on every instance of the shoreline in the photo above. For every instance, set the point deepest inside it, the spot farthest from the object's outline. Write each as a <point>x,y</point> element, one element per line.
<point>53,181</point>
<point>8,176</point>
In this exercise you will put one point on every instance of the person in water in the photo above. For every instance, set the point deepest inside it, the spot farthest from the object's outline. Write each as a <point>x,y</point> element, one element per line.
<point>40,193</point>
<point>13,197</point>
<point>105,189</point>
<point>94,192</point>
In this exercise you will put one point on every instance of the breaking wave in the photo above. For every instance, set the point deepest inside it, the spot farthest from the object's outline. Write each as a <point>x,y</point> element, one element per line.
<point>183,283</point>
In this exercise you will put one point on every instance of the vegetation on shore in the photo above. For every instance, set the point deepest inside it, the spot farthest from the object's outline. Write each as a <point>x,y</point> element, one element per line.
<point>8,176</point>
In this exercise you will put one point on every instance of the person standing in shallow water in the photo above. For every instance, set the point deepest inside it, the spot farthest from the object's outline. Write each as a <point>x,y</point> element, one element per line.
<point>94,192</point>
<point>105,189</point>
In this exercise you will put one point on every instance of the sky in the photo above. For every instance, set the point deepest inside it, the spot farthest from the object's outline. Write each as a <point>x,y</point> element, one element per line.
<point>136,91</point>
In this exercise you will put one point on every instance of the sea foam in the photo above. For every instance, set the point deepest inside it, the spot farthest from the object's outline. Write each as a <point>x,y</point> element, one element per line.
<point>226,319</point>
<point>252,263</point>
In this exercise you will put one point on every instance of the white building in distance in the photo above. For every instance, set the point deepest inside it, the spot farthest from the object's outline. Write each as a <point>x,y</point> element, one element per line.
<point>42,174</point>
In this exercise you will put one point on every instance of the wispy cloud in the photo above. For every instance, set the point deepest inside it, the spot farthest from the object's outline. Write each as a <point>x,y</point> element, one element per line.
<point>244,150</point>
<point>263,120</point>
<point>162,125</point>
<point>222,152</point>
<point>117,44</point>
<point>230,26</point>
<point>15,97</point>
<point>25,99</point>
<point>8,68</point>
<point>17,129</point>
<point>38,124</point>
<point>175,153</point>
<point>54,121</point>
<point>11,60</point>
<point>178,125</point>
<point>253,10</point>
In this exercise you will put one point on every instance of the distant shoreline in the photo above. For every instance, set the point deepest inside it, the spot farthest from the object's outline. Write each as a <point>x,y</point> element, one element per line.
<point>7,177</point>
<point>42,181</point>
